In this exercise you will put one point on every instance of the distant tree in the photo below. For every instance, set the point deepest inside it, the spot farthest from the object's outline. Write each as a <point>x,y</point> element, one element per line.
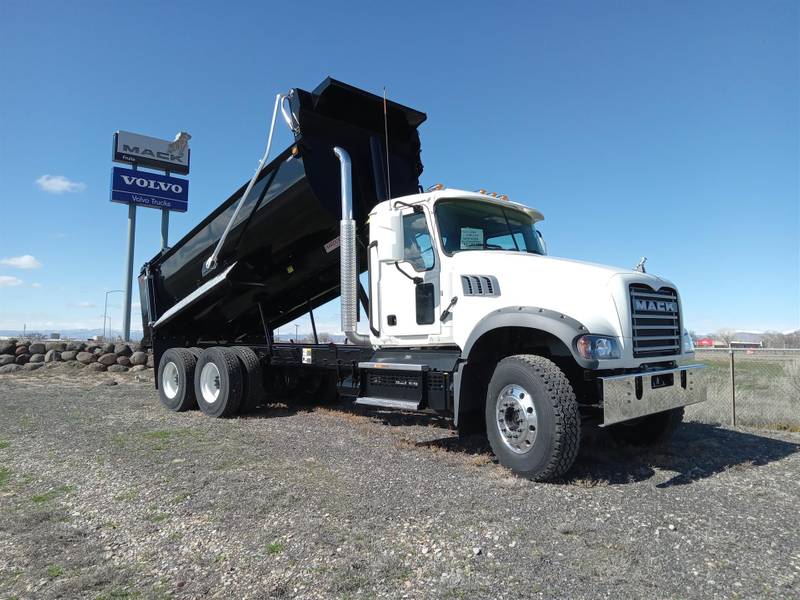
<point>325,338</point>
<point>792,340</point>
<point>773,339</point>
<point>726,336</point>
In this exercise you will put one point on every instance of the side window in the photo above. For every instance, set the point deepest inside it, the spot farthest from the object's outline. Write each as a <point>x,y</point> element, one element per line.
<point>418,243</point>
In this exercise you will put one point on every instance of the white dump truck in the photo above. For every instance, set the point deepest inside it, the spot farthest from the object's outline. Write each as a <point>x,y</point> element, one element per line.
<point>467,314</point>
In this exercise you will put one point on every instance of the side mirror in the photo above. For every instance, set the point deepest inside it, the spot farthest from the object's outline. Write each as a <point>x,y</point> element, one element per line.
<point>541,239</point>
<point>386,228</point>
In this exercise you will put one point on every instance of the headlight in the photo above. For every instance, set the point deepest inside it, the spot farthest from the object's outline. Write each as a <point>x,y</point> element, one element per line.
<point>598,347</point>
<point>688,343</point>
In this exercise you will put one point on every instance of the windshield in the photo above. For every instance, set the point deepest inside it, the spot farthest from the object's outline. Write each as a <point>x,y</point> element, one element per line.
<point>475,225</point>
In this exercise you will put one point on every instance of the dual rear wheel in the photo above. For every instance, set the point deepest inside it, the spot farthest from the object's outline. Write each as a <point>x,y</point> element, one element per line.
<point>217,380</point>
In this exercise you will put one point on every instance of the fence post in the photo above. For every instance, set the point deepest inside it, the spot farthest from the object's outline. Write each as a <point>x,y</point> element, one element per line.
<point>733,390</point>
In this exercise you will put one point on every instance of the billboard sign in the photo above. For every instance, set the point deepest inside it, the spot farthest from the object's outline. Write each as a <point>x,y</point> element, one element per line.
<point>164,155</point>
<point>149,189</point>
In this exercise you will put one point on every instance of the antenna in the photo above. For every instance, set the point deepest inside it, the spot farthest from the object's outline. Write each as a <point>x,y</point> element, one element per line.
<point>386,132</point>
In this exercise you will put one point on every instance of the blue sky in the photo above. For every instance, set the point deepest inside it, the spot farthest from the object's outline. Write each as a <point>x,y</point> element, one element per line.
<point>665,129</point>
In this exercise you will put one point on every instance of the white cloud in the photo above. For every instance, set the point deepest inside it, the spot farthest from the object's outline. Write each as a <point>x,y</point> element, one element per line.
<point>26,261</point>
<point>87,304</point>
<point>36,284</point>
<point>8,281</point>
<point>58,184</point>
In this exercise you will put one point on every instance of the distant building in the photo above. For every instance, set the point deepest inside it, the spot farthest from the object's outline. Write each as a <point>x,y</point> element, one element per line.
<point>705,342</point>
<point>738,344</point>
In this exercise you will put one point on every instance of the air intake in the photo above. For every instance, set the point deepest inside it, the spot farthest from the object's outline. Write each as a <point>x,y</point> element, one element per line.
<point>480,285</point>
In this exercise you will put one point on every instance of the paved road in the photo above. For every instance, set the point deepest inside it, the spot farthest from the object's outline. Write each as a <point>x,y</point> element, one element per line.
<point>103,494</point>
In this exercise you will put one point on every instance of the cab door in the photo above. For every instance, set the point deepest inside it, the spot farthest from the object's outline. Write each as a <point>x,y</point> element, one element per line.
<point>409,290</point>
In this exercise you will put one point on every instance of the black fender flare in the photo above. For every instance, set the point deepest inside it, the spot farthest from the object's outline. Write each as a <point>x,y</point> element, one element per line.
<point>558,324</point>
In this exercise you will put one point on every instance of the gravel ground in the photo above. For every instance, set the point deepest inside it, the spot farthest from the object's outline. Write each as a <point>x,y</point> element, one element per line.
<point>104,494</point>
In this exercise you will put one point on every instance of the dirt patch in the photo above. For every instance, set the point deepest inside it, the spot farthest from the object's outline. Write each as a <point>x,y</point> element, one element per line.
<point>104,494</point>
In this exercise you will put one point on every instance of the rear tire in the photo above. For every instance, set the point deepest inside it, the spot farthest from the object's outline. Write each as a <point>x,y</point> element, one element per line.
<point>218,382</point>
<point>532,418</point>
<point>253,391</point>
<point>652,430</point>
<point>176,379</point>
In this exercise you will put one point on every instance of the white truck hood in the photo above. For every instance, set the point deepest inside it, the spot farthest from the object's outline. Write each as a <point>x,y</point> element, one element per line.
<point>596,295</point>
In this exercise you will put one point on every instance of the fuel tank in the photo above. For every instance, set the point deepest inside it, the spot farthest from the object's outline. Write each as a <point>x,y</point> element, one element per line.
<point>281,257</point>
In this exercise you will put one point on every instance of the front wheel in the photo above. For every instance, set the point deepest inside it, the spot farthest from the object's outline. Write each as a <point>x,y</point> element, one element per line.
<point>532,418</point>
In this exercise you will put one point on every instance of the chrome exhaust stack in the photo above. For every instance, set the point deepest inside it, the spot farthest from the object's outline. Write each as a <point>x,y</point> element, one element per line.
<point>348,255</point>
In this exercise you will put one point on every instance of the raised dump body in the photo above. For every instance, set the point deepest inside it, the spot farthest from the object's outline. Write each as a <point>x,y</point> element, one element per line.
<point>281,257</point>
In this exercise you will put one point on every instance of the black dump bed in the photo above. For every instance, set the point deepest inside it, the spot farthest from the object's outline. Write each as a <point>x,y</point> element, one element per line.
<point>282,256</point>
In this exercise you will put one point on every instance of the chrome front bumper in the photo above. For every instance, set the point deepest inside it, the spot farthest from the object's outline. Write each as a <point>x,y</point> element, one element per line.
<point>636,395</point>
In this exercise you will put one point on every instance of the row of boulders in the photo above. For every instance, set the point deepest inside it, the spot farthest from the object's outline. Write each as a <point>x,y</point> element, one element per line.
<point>17,355</point>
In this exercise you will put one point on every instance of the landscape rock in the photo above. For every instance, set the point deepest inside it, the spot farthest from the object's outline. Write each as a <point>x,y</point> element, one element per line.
<point>6,359</point>
<point>52,356</point>
<point>96,367</point>
<point>107,347</point>
<point>117,369</point>
<point>149,362</point>
<point>98,351</point>
<point>60,346</point>
<point>108,382</point>
<point>124,361</point>
<point>21,350</point>
<point>137,368</point>
<point>122,350</point>
<point>37,358</point>
<point>22,359</point>
<point>91,348</point>
<point>139,358</point>
<point>76,346</point>
<point>33,366</point>
<point>37,348</point>
<point>10,368</point>
<point>74,364</point>
<point>107,359</point>
<point>7,347</point>
<point>54,365</point>
<point>69,355</point>
<point>85,357</point>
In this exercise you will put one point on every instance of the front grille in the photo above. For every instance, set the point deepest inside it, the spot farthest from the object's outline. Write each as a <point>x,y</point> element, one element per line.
<point>656,321</point>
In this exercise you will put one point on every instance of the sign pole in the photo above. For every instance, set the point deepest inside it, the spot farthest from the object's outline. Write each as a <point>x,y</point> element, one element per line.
<point>126,315</point>
<point>165,224</point>
<point>164,229</point>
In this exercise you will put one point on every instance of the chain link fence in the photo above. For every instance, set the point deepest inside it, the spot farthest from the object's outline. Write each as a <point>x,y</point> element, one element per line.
<point>756,387</point>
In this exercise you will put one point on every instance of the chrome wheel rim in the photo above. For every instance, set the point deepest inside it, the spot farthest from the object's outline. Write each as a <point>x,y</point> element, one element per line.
<point>516,419</point>
<point>170,381</point>
<point>209,383</point>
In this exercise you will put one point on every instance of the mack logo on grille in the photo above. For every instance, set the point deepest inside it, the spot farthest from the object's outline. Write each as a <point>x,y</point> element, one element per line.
<point>656,305</point>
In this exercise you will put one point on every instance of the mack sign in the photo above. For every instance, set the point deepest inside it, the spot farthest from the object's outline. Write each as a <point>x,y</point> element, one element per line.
<point>165,155</point>
<point>148,189</point>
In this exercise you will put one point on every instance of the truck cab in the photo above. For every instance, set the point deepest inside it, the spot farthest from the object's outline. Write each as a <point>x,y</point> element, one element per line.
<point>469,271</point>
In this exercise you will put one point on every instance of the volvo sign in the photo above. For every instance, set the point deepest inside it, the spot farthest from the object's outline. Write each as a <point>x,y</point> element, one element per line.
<point>173,156</point>
<point>148,189</point>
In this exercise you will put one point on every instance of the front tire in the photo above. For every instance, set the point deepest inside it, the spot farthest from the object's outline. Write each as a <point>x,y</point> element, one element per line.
<point>218,382</point>
<point>532,418</point>
<point>176,379</point>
